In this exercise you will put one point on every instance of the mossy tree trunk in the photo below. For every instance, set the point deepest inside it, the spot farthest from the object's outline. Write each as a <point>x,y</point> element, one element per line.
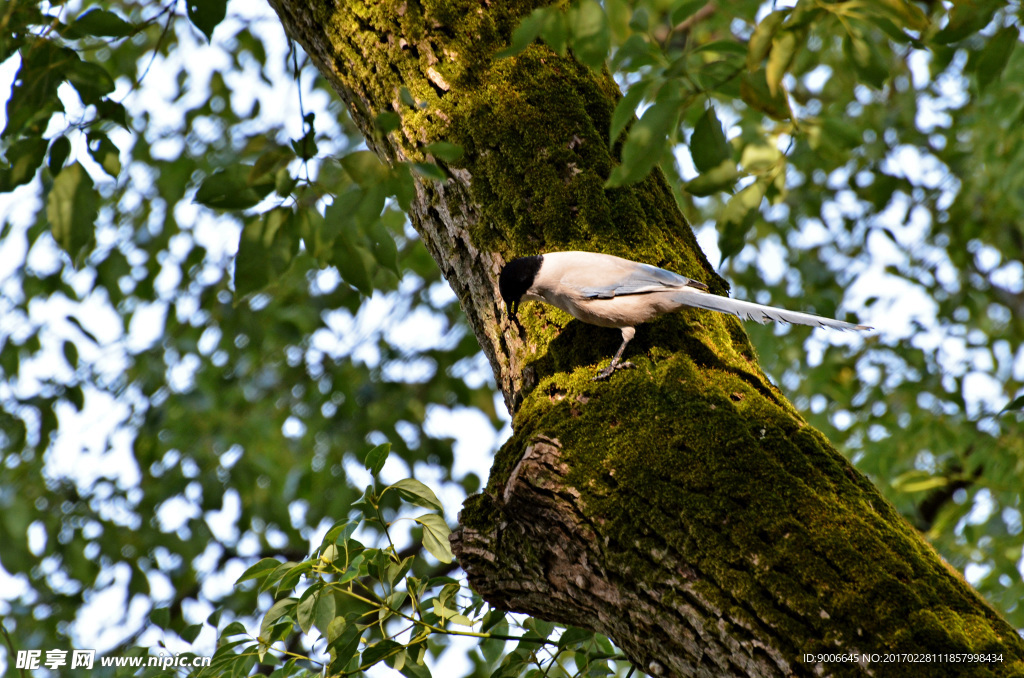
<point>685,508</point>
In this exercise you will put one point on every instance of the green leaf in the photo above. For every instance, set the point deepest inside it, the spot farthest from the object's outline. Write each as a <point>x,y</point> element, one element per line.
<point>353,571</point>
<point>492,619</point>
<point>415,670</point>
<point>725,48</point>
<point>995,55</point>
<point>634,54</point>
<point>720,76</point>
<point>430,171</point>
<point>235,628</point>
<point>344,647</point>
<point>388,121</point>
<point>266,247</point>
<point>304,611</point>
<point>894,32</point>
<point>625,110</point>
<point>71,208</point>
<point>325,610</point>
<point>555,31</point>
<point>842,132</point>
<point>966,18</point>
<point>444,150</point>
<point>435,537</point>
<point>105,153</point>
<point>258,570</point>
<point>70,354</point>
<point>340,217</point>
<point>100,23</point>
<point>719,178</point>
<point>574,636</point>
<point>867,60</point>
<point>919,481</point>
<point>378,652</point>
<point>415,492</point>
<point>708,145</point>
<point>269,163</point>
<point>75,396</point>
<point>395,571</point>
<point>524,34</point>
<point>364,168</point>
<point>683,10</point>
<point>206,14</point>
<point>406,97</point>
<point>292,576</point>
<point>330,553</point>
<point>284,182</point>
<point>190,633</point>
<point>754,91</point>
<point>276,574</point>
<point>758,157</point>
<point>306,147</point>
<point>310,225</point>
<point>279,609</point>
<point>383,244</point>
<point>33,95</point>
<point>335,628</point>
<point>23,158</point>
<point>761,40</point>
<point>354,263</point>
<point>160,617</point>
<point>644,143</point>
<point>640,21</point>
<point>60,149</point>
<point>113,111</point>
<point>229,189</point>
<point>784,48</point>
<point>737,217</point>
<point>542,627</point>
<point>91,81</point>
<point>1015,404</point>
<point>904,13</point>
<point>401,185</point>
<point>376,457</point>
<point>591,34</point>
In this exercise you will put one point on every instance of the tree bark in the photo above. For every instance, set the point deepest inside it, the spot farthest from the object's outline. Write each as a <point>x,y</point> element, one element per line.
<point>684,508</point>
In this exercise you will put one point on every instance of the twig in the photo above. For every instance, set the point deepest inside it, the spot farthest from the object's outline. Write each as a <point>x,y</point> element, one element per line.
<point>10,647</point>
<point>698,16</point>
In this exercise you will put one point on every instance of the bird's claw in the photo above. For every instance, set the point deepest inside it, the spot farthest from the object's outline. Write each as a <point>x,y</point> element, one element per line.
<point>610,370</point>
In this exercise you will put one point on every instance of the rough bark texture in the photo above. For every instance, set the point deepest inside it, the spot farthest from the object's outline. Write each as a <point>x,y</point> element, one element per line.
<point>684,508</point>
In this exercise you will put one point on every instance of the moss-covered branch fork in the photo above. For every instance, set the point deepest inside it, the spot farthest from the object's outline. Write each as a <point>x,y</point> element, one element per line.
<point>684,508</point>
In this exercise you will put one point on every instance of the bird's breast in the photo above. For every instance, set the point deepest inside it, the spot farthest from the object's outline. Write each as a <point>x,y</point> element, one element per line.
<point>624,311</point>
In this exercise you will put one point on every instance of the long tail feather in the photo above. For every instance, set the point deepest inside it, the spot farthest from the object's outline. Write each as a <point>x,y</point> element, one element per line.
<point>746,310</point>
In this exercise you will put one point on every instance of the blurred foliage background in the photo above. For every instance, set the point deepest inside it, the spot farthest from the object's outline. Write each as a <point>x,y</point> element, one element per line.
<point>212,305</point>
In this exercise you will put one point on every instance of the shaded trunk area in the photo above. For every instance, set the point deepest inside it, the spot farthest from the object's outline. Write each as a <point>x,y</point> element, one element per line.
<point>683,508</point>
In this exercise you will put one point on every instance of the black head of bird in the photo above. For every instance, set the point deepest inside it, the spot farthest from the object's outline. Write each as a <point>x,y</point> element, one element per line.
<point>516,278</point>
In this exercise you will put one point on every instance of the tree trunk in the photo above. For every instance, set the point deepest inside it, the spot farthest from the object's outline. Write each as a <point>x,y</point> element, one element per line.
<point>683,508</point>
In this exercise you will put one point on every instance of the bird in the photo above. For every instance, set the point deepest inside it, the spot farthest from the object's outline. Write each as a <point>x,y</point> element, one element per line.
<point>609,291</point>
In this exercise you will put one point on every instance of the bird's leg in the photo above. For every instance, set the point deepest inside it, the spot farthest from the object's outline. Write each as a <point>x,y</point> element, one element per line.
<point>627,335</point>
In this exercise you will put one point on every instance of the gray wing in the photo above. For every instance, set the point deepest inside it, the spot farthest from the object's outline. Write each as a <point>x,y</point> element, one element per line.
<point>635,278</point>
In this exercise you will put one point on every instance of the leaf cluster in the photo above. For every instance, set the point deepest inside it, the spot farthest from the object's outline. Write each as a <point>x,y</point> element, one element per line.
<point>355,607</point>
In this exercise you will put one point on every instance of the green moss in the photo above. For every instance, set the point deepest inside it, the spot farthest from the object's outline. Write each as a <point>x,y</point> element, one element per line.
<point>696,460</point>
